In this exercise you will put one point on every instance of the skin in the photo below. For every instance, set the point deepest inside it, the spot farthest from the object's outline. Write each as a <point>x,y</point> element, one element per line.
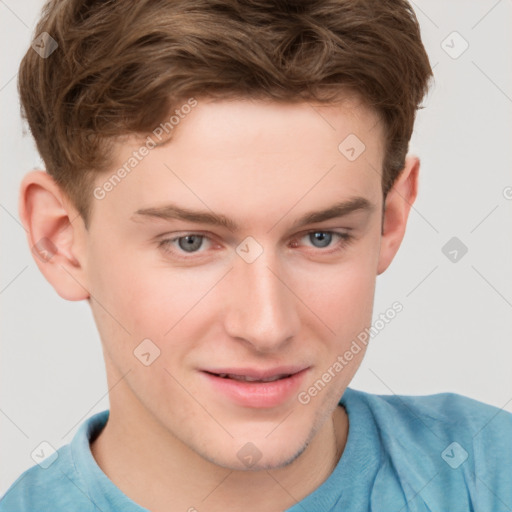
<point>171,438</point>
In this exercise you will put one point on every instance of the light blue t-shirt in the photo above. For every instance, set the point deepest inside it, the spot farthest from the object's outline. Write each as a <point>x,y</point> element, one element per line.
<point>437,453</point>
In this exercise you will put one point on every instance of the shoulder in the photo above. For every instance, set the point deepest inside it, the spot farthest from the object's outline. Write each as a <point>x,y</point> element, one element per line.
<point>442,449</point>
<point>62,482</point>
<point>55,487</point>
<point>447,414</point>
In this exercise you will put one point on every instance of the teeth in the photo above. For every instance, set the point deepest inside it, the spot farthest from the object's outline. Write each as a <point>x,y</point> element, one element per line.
<point>245,378</point>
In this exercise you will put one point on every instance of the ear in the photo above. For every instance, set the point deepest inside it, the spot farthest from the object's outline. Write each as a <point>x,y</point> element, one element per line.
<point>396,212</point>
<point>55,233</point>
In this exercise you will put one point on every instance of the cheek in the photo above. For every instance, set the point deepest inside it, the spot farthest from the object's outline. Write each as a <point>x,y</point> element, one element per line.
<point>140,297</point>
<point>347,308</point>
<point>342,294</point>
<point>131,286</point>
<point>344,302</point>
<point>128,296</point>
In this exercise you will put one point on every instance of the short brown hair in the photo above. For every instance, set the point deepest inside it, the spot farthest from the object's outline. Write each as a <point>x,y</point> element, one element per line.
<point>121,67</point>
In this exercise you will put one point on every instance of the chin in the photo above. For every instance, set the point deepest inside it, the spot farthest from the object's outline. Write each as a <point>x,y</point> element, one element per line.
<point>251,458</point>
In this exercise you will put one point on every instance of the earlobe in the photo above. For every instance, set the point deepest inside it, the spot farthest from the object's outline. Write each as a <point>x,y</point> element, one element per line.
<point>397,207</point>
<point>54,234</point>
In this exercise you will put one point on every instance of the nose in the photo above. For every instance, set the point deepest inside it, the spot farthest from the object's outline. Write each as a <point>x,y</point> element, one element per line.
<point>262,305</point>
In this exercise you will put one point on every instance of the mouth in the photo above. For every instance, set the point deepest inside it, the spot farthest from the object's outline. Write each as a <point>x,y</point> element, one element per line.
<point>255,388</point>
<point>248,378</point>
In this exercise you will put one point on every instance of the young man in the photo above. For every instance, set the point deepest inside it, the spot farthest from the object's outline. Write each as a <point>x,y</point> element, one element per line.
<point>225,180</point>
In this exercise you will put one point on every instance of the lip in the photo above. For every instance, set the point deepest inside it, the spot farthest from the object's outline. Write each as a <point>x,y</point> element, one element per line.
<point>258,395</point>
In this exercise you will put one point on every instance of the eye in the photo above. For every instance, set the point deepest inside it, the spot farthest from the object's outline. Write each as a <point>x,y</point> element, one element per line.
<point>321,239</point>
<point>189,243</point>
<point>324,239</point>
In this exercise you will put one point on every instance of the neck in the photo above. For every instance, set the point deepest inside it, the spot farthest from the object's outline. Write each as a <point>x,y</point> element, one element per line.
<point>158,470</point>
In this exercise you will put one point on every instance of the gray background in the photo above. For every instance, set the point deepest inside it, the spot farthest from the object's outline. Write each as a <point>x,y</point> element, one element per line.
<point>455,330</point>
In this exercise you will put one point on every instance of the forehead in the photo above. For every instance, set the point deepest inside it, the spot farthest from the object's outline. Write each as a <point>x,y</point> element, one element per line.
<point>243,157</point>
<point>242,127</point>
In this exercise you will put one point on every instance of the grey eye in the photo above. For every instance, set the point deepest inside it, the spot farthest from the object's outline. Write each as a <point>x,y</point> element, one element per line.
<point>323,237</point>
<point>190,243</point>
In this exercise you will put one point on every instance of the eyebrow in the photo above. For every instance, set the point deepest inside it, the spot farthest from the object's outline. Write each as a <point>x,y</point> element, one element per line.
<point>175,212</point>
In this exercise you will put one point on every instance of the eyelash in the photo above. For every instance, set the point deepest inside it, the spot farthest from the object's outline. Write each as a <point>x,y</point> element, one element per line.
<point>345,239</point>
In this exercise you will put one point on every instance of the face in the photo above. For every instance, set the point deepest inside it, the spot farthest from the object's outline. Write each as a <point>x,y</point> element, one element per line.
<point>222,320</point>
